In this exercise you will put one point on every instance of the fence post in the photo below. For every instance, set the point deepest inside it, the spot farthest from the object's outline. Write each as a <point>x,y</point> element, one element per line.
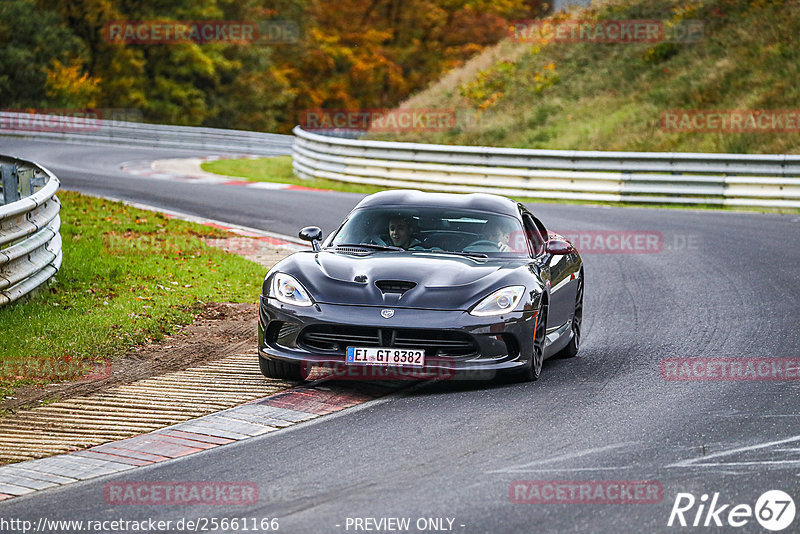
<point>10,183</point>
<point>24,178</point>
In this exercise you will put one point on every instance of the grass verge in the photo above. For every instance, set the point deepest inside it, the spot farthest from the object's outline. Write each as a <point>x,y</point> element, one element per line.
<point>278,169</point>
<point>612,96</point>
<point>128,277</point>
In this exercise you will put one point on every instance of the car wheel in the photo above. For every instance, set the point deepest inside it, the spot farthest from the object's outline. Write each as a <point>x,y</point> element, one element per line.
<point>534,370</point>
<point>571,350</point>
<point>281,370</point>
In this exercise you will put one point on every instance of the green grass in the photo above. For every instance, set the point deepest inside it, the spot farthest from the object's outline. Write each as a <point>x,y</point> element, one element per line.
<point>279,170</point>
<point>588,96</point>
<point>128,277</point>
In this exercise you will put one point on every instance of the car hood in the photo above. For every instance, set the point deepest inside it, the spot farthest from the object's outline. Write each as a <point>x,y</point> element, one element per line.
<point>442,281</point>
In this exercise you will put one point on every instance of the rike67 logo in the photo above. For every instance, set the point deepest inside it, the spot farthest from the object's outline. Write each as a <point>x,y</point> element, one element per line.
<point>774,510</point>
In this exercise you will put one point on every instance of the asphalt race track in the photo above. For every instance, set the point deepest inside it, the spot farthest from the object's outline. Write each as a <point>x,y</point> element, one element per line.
<point>721,285</point>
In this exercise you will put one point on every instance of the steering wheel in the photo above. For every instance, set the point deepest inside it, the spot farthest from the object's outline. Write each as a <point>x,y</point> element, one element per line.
<point>483,243</point>
<point>377,240</point>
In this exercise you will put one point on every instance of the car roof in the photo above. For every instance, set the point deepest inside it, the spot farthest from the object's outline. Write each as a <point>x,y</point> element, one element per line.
<point>412,197</point>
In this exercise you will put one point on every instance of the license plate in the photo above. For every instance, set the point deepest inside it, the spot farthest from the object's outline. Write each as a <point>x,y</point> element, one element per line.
<point>386,356</point>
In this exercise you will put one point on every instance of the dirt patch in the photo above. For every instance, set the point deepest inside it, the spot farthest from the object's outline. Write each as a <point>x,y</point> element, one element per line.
<point>217,331</point>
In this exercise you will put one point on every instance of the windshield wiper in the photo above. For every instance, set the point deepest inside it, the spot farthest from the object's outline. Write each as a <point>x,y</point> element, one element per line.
<point>369,245</point>
<point>454,253</point>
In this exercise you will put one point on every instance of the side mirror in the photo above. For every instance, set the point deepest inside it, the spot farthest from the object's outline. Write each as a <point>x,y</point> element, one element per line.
<point>312,234</point>
<point>559,247</point>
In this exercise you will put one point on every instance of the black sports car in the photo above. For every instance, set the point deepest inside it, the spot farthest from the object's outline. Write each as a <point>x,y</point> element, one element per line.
<point>431,282</point>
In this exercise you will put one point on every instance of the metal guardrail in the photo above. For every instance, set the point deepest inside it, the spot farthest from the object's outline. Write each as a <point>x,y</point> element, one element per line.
<point>30,245</point>
<point>76,130</point>
<point>634,177</point>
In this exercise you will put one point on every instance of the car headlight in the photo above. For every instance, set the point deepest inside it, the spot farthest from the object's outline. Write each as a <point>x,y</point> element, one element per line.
<point>289,291</point>
<point>501,301</point>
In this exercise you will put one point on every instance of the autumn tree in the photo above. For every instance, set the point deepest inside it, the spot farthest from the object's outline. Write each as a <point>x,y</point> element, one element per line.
<point>347,54</point>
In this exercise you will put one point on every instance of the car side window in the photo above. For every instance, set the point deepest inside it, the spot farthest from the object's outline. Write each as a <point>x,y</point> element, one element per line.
<point>540,227</point>
<point>533,233</point>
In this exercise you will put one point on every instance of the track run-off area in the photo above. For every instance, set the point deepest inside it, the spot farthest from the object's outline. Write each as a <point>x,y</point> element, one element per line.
<point>470,456</point>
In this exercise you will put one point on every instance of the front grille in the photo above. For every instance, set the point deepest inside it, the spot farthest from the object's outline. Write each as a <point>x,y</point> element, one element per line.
<point>338,338</point>
<point>334,339</point>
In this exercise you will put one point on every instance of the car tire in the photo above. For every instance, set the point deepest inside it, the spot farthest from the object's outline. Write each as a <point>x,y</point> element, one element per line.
<point>534,370</point>
<point>571,350</point>
<point>281,370</point>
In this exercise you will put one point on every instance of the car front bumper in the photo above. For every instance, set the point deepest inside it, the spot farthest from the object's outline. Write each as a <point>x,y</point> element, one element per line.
<point>499,342</point>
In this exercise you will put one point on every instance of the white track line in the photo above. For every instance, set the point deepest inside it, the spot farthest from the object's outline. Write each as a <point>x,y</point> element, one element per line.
<point>702,460</point>
<point>567,456</point>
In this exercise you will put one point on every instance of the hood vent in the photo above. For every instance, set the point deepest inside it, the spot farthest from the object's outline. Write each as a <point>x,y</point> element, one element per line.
<point>395,286</point>
<point>353,251</point>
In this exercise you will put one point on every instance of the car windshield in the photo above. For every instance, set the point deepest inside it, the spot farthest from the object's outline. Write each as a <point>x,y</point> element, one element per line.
<point>434,230</point>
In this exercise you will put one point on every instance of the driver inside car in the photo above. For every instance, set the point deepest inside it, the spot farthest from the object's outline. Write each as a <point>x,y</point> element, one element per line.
<point>401,233</point>
<point>495,232</point>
